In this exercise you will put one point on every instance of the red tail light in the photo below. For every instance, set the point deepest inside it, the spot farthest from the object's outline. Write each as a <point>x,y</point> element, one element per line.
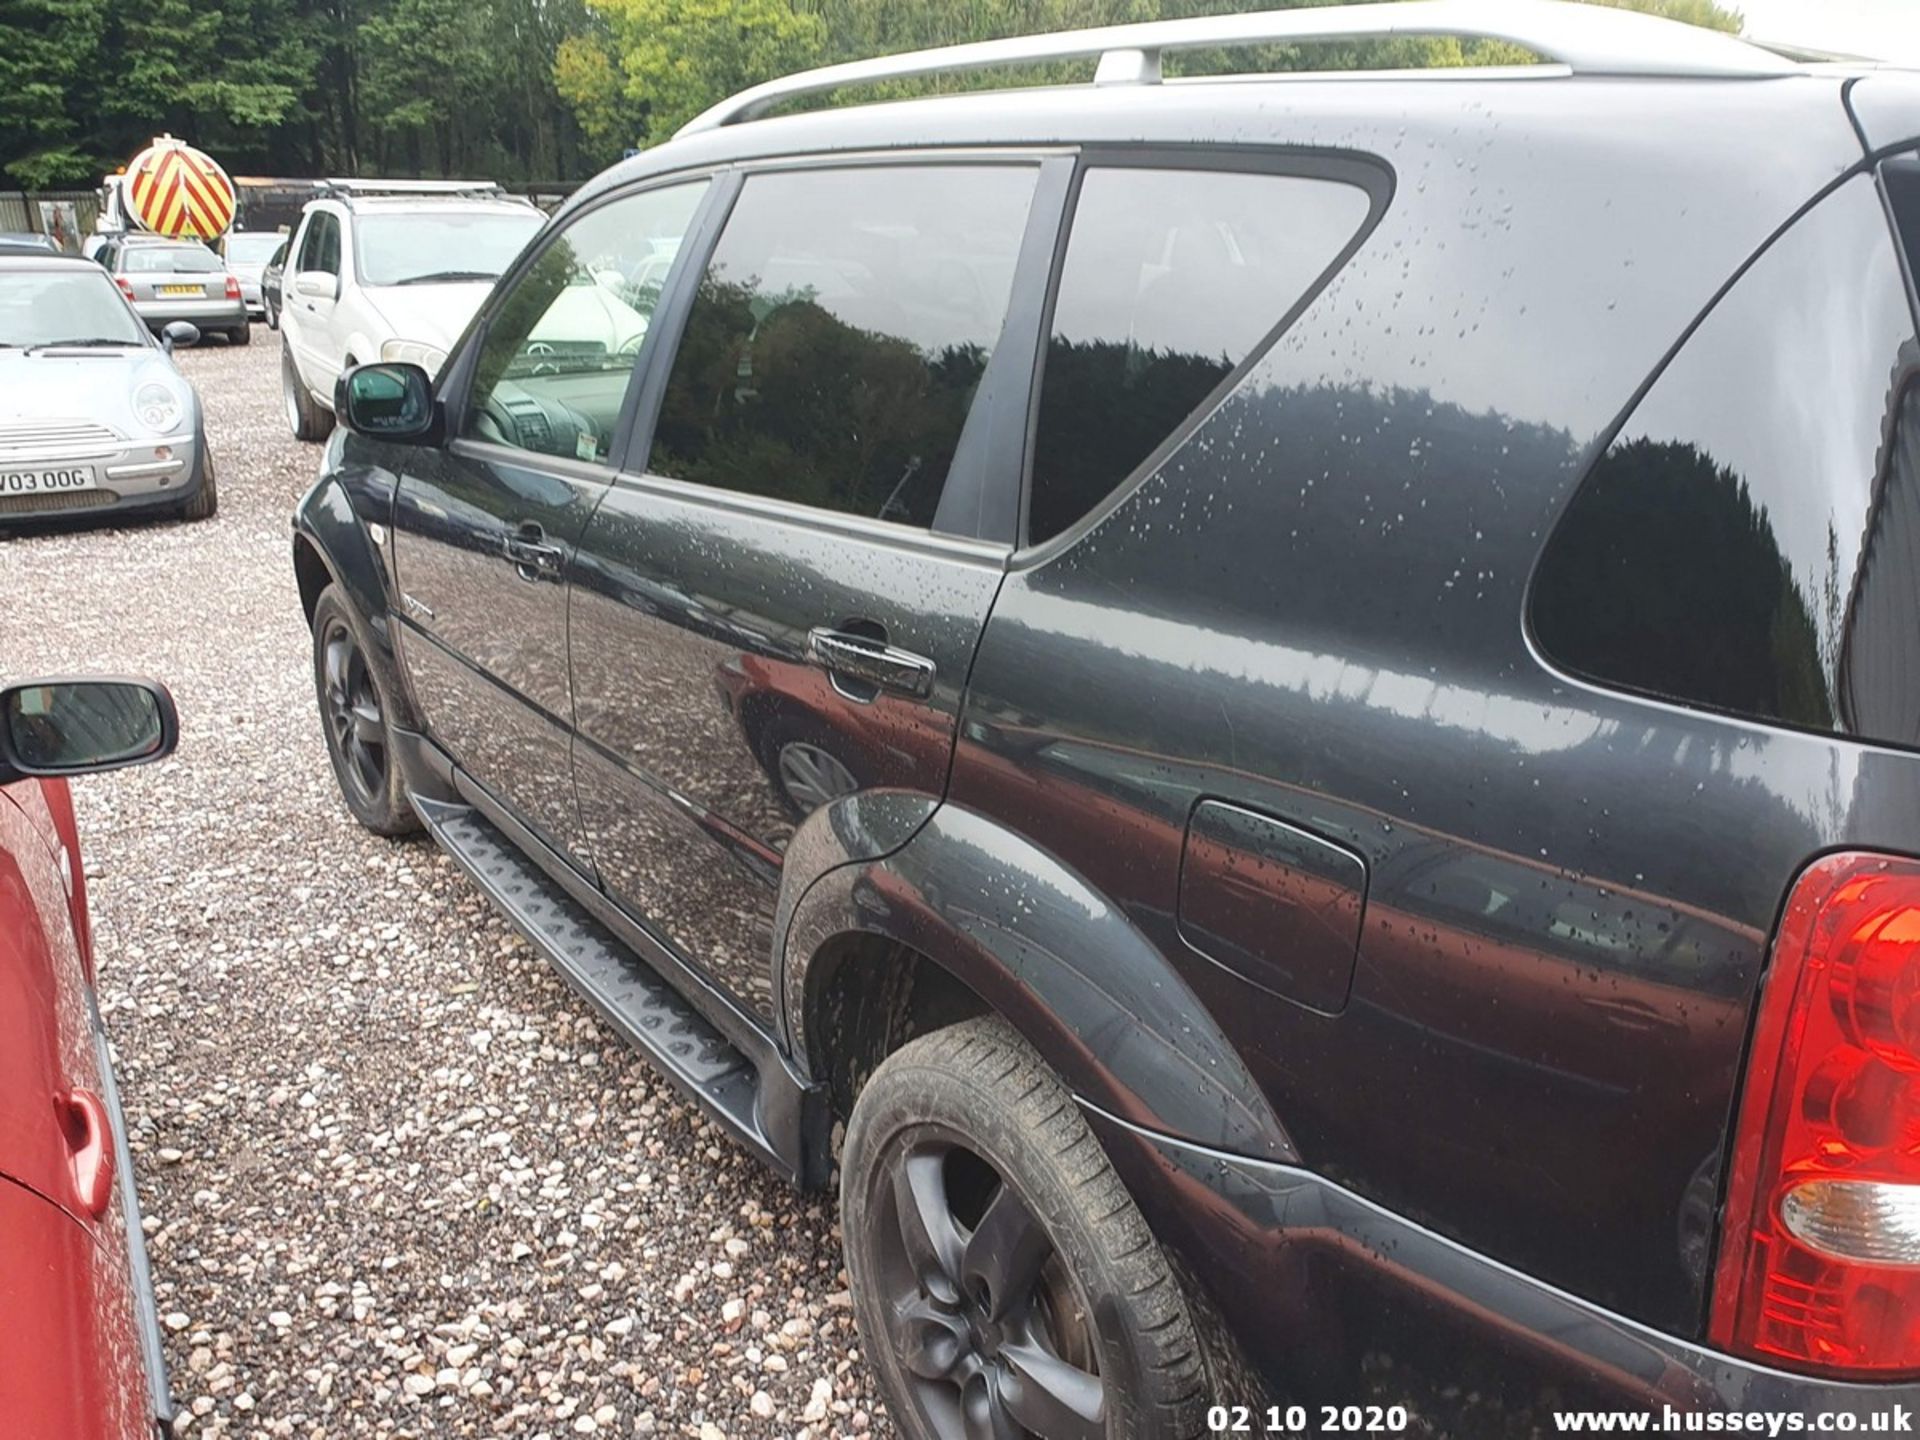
<point>1819,1265</point>
<point>233,288</point>
<point>126,285</point>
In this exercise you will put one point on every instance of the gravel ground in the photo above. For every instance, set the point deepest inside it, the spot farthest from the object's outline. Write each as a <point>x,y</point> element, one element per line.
<point>398,1180</point>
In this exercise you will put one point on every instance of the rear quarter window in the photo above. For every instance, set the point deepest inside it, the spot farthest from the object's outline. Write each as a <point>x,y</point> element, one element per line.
<point>1173,277</point>
<point>1750,540</point>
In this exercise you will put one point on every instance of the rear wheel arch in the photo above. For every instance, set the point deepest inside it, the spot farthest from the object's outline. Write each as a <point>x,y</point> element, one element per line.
<point>1063,966</point>
<point>866,997</point>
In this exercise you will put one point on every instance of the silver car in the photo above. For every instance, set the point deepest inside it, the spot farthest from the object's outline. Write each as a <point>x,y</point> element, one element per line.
<point>248,252</point>
<point>171,280</point>
<point>93,413</point>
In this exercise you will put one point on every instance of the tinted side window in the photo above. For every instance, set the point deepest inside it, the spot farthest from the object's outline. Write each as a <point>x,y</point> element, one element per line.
<point>834,345</point>
<point>320,252</point>
<point>1172,277</point>
<point>563,338</point>
<point>1748,541</point>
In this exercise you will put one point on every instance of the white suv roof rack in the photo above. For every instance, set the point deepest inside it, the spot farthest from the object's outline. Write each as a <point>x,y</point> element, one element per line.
<point>1583,39</point>
<point>379,189</point>
<point>409,187</point>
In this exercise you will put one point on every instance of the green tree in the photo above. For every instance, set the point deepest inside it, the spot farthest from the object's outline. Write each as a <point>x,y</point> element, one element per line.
<point>586,74</point>
<point>511,89</point>
<point>676,57</point>
<point>425,76</point>
<point>219,72</point>
<point>660,62</point>
<point>1692,12</point>
<point>46,48</point>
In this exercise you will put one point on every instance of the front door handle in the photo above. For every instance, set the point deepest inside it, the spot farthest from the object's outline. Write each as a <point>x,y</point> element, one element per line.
<point>531,553</point>
<point>846,656</point>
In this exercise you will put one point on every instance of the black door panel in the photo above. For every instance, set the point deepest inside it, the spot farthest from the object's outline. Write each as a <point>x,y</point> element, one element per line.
<point>485,642</point>
<point>766,623</point>
<point>707,729</point>
<point>483,531</point>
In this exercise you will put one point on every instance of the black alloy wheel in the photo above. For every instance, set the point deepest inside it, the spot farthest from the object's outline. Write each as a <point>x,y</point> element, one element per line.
<point>1005,1281</point>
<point>355,722</point>
<point>358,712</point>
<point>997,1339</point>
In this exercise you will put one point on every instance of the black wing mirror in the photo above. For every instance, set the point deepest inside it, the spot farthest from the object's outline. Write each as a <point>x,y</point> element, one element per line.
<point>79,726</point>
<point>392,402</point>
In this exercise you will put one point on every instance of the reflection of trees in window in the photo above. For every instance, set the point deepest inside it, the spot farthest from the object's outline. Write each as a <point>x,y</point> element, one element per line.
<point>802,406</point>
<point>1666,576</point>
<point>1104,406</point>
<point>1879,662</point>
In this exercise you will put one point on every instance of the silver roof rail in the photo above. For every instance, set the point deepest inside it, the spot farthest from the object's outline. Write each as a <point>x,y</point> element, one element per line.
<point>1586,39</point>
<point>410,187</point>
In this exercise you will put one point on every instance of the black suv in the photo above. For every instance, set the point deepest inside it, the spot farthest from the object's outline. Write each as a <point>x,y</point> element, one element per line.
<point>1297,698</point>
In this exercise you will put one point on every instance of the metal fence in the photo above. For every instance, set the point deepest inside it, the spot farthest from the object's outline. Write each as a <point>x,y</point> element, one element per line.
<point>68,215</point>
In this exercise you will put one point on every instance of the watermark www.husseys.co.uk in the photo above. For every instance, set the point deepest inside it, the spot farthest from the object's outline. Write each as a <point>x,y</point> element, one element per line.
<point>1894,1420</point>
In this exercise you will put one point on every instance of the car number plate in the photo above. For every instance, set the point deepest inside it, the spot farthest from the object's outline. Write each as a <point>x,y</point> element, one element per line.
<point>182,290</point>
<point>45,482</point>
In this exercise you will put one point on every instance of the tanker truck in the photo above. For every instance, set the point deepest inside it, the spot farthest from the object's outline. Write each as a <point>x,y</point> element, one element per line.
<point>169,189</point>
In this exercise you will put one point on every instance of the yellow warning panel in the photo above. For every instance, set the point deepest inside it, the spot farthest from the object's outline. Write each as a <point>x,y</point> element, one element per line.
<point>175,190</point>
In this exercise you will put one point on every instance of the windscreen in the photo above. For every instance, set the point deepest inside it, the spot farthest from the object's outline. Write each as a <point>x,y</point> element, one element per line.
<point>63,308</point>
<point>420,249</point>
<point>169,260</point>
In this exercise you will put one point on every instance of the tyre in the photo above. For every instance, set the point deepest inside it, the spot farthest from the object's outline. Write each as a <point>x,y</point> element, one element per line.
<point>308,420</point>
<point>242,336</point>
<point>206,500</point>
<point>355,703</point>
<point>1003,1279</point>
<point>273,314</point>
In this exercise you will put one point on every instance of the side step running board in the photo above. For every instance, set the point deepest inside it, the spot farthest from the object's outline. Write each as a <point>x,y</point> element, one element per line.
<point>644,1008</point>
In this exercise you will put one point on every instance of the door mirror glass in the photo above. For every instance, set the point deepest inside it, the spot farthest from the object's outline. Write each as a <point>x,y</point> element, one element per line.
<point>386,402</point>
<point>72,727</point>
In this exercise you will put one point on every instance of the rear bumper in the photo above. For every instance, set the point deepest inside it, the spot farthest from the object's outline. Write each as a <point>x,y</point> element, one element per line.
<point>207,314</point>
<point>1333,1300</point>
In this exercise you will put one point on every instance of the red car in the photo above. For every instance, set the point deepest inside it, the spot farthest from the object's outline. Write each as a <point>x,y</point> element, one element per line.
<point>82,1359</point>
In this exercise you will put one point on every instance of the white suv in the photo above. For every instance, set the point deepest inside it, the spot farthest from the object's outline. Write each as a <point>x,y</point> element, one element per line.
<point>388,270</point>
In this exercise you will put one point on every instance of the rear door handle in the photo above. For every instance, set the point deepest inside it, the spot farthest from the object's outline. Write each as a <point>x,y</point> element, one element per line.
<point>857,657</point>
<point>531,553</point>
